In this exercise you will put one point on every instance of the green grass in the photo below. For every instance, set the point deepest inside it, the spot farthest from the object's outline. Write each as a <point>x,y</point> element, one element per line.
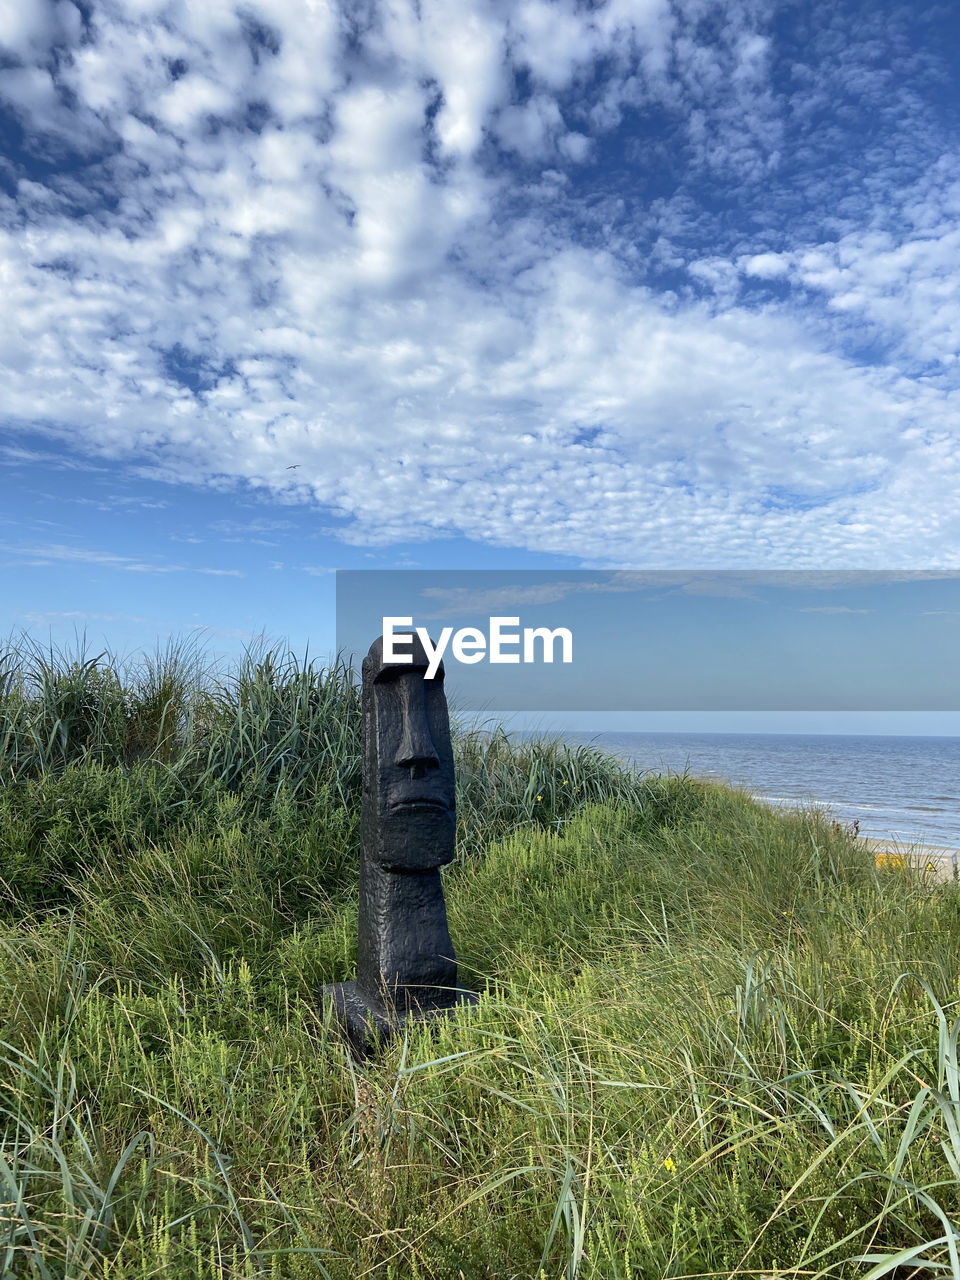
<point>713,1040</point>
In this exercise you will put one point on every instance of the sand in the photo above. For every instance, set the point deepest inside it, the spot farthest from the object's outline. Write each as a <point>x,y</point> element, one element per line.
<point>937,860</point>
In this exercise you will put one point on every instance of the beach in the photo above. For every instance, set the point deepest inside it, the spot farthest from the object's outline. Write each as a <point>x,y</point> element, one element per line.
<point>936,860</point>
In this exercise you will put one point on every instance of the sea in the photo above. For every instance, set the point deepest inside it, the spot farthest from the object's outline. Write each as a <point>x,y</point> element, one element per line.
<point>904,789</point>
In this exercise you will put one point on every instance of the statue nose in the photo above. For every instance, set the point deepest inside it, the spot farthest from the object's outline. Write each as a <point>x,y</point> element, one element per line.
<point>416,745</point>
<point>416,749</point>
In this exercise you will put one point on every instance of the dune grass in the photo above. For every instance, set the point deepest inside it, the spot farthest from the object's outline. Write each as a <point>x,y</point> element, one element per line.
<point>713,1039</point>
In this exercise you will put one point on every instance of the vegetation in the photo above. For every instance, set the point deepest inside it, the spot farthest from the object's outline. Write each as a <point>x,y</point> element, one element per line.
<point>715,1039</point>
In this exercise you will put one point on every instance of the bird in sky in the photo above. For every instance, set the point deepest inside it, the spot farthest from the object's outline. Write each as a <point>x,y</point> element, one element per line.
<point>293,466</point>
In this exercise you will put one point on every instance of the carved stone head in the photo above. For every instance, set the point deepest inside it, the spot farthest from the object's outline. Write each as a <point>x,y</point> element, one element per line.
<point>408,812</point>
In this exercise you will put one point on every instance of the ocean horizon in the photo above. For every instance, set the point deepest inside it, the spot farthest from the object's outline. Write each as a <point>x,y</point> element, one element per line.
<point>898,787</point>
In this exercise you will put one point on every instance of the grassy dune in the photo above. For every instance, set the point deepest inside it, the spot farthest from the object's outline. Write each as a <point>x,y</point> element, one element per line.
<point>714,1040</point>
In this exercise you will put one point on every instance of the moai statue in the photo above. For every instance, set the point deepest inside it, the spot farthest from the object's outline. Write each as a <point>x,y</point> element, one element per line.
<point>406,967</point>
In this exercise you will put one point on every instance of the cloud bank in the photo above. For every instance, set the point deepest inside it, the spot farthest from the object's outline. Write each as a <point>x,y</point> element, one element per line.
<point>634,282</point>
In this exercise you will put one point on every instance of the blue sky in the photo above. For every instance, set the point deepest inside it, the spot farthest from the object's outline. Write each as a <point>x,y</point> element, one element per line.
<point>466,284</point>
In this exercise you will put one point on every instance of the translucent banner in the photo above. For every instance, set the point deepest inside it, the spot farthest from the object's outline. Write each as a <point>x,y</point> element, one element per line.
<point>590,640</point>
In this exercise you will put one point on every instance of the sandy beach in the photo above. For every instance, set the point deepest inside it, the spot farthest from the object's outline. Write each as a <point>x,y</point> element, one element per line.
<point>939,861</point>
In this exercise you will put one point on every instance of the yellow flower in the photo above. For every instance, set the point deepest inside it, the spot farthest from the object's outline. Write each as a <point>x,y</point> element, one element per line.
<point>539,797</point>
<point>669,1165</point>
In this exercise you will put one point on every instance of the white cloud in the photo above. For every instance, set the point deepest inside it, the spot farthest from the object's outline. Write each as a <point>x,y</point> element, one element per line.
<point>532,128</point>
<point>838,608</point>
<point>467,69</point>
<point>191,97</point>
<point>40,556</point>
<point>354,285</point>
<point>26,29</point>
<point>905,285</point>
<point>50,616</point>
<point>768,266</point>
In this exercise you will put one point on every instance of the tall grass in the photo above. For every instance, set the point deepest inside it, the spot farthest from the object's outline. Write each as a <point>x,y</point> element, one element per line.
<point>714,1040</point>
<point>275,720</point>
<point>117,753</point>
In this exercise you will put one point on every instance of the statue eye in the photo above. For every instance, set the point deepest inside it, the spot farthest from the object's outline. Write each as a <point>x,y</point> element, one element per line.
<point>390,674</point>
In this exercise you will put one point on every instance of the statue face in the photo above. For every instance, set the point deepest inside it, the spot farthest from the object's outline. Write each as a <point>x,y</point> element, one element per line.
<point>409,807</point>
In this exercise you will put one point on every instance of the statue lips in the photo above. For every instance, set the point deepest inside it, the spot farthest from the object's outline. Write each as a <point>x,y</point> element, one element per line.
<point>419,804</point>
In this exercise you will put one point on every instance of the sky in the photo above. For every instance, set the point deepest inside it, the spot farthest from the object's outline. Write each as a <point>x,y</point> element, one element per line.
<point>466,284</point>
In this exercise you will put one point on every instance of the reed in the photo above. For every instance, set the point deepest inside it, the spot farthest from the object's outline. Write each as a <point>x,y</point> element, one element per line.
<point>714,1039</point>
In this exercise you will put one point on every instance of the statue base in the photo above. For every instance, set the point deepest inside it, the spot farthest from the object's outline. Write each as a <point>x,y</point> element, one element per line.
<point>370,1024</point>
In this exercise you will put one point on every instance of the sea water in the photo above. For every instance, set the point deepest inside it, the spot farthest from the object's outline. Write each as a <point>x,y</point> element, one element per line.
<point>898,788</point>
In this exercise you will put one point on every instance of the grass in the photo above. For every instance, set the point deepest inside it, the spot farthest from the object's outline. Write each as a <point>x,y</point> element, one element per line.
<point>714,1039</point>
